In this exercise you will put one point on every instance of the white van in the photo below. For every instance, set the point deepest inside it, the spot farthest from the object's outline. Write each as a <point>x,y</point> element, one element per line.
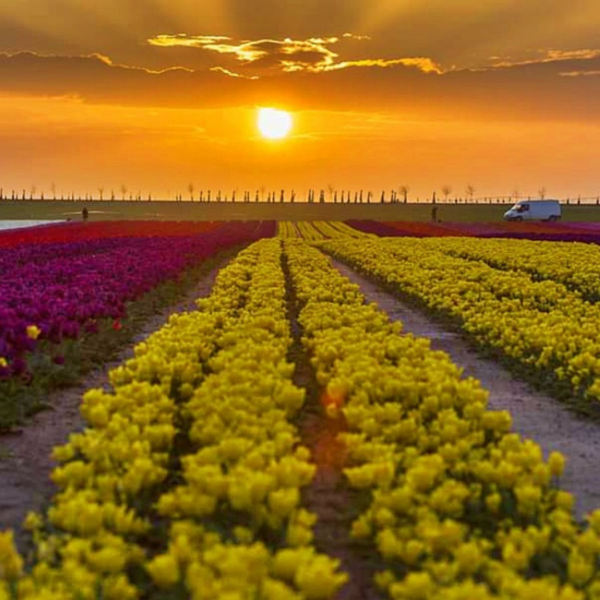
<point>534,210</point>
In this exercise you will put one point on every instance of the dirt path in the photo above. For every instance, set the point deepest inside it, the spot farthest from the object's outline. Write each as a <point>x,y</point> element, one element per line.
<point>535,414</point>
<point>25,455</point>
<point>334,503</point>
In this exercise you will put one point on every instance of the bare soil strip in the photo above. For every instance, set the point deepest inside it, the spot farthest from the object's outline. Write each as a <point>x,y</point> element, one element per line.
<point>25,454</point>
<point>535,415</point>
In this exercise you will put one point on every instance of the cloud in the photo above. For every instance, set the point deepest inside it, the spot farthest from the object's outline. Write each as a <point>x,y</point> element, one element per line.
<point>548,56</point>
<point>264,55</point>
<point>572,54</point>
<point>273,56</point>
<point>357,37</point>
<point>426,65</point>
<point>563,89</point>
<point>182,39</point>
<point>580,73</point>
<point>232,73</point>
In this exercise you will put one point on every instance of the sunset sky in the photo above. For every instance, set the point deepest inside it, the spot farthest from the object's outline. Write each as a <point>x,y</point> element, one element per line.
<point>503,95</point>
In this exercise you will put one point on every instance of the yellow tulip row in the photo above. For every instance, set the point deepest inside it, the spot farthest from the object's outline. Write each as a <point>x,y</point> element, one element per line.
<point>209,394</point>
<point>342,228</point>
<point>286,229</point>
<point>241,484</point>
<point>460,508</point>
<point>541,325</point>
<point>337,229</point>
<point>308,232</point>
<point>99,520</point>
<point>319,230</point>
<point>571,263</point>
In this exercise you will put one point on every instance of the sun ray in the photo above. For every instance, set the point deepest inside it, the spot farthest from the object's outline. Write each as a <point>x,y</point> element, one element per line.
<point>381,12</point>
<point>212,16</point>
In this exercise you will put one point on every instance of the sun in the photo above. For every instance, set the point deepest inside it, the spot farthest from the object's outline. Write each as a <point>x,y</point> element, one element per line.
<point>274,124</point>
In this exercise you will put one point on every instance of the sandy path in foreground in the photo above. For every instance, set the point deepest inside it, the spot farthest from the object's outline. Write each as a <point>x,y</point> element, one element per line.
<point>535,414</point>
<point>25,455</point>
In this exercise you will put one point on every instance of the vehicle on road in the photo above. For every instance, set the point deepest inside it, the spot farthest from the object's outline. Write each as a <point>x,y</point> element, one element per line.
<point>534,210</point>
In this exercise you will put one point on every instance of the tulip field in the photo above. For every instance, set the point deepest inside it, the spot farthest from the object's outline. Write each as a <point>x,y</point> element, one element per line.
<point>531,304</point>
<point>64,289</point>
<point>555,232</point>
<point>193,475</point>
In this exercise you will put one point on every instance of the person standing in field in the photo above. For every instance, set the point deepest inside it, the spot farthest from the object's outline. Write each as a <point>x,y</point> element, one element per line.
<point>434,211</point>
<point>84,214</point>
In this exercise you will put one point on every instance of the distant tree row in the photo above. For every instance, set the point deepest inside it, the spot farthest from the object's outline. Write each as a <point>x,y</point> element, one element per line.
<point>32,195</point>
<point>331,195</point>
<point>260,195</point>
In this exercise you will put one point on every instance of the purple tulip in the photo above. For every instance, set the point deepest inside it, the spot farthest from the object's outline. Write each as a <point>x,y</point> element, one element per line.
<point>66,288</point>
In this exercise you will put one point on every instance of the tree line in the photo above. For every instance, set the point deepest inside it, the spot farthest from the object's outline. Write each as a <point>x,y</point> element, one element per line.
<point>313,196</point>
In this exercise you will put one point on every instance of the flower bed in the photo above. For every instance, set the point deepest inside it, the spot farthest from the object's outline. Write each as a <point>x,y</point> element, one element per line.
<point>572,264</point>
<point>458,506</point>
<point>541,326</point>
<point>55,299</point>
<point>318,230</point>
<point>186,481</point>
<point>565,232</point>
<point>79,231</point>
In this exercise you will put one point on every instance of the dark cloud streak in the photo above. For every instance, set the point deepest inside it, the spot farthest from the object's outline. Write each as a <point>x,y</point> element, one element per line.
<point>524,92</point>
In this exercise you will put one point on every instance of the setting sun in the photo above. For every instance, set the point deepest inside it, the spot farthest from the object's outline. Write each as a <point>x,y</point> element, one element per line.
<point>274,124</point>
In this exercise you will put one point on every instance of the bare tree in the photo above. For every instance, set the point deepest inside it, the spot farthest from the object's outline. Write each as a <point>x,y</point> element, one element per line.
<point>403,190</point>
<point>191,191</point>
<point>470,190</point>
<point>32,192</point>
<point>101,193</point>
<point>446,190</point>
<point>330,189</point>
<point>516,193</point>
<point>124,190</point>
<point>542,192</point>
<point>53,190</point>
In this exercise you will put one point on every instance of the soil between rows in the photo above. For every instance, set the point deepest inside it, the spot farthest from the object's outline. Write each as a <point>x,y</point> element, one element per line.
<point>25,454</point>
<point>329,496</point>
<point>535,415</point>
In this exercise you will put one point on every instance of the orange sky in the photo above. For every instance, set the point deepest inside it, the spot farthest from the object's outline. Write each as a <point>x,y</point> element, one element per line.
<point>501,95</point>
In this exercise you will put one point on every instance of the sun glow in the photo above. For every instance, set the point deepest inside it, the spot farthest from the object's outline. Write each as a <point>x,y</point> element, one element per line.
<point>274,124</point>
